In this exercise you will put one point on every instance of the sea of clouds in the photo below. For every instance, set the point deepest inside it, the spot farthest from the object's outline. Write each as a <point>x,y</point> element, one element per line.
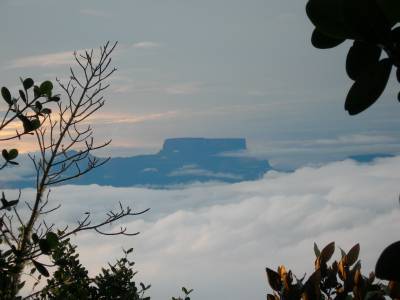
<point>218,238</point>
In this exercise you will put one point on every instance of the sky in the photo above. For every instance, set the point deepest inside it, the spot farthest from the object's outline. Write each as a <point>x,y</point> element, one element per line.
<point>219,68</point>
<point>203,69</point>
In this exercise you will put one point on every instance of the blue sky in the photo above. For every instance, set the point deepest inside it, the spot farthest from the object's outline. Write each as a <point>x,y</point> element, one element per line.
<point>203,68</point>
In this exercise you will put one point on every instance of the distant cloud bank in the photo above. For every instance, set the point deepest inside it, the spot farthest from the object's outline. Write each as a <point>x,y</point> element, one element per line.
<point>218,238</point>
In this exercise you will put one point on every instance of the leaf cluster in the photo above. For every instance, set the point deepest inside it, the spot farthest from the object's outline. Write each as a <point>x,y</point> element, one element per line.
<point>185,296</point>
<point>71,280</point>
<point>340,280</point>
<point>371,25</point>
<point>30,107</point>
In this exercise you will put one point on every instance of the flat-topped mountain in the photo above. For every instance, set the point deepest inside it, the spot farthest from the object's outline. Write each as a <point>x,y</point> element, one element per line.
<point>180,161</point>
<point>201,146</point>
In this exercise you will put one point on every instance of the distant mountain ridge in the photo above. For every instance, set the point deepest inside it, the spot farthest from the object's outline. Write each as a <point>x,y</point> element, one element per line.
<point>180,161</point>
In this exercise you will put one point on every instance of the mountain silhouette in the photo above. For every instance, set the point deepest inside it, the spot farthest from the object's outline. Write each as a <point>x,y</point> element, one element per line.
<point>180,161</point>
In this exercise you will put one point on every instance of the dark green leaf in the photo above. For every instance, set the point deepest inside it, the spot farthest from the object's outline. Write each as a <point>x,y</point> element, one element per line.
<point>52,239</point>
<point>129,250</point>
<point>274,280</point>
<point>35,124</point>
<point>12,154</point>
<point>5,154</point>
<point>328,17</point>
<point>6,95</point>
<point>35,237</point>
<point>28,83</point>
<point>41,268</point>
<point>352,255</point>
<point>327,252</point>
<point>38,105</point>
<point>322,41</point>
<point>368,87</point>
<point>360,57</point>
<point>46,111</point>
<point>29,125</point>
<point>55,98</point>
<point>44,246</point>
<point>367,20</point>
<point>46,88</point>
<point>316,250</point>
<point>21,285</point>
<point>22,95</point>
<point>36,91</point>
<point>388,264</point>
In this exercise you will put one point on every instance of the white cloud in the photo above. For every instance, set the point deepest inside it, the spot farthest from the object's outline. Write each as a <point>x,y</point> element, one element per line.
<point>146,45</point>
<point>45,60</point>
<point>218,239</point>
<point>50,59</point>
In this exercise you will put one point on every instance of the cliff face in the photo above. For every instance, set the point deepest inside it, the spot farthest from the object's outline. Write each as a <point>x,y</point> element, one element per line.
<point>180,161</point>
<point>202,146</point>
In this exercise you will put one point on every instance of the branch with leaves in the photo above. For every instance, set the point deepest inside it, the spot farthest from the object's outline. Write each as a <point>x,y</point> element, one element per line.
<point>371,25</point>
<point>64,138</point>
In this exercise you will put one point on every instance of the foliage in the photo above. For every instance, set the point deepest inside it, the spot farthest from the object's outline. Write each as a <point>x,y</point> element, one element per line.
<point>64,143</point>
<point>71,280</point>
<point>371,25</point>
<point>342,279</point>
<point>186,293</point>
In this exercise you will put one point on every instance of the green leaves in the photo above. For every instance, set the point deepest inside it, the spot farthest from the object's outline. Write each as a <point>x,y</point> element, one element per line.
<point>52,239</point>
<point>388,264</point>
<point>46,88</point>
<point>274,279</point>
<point>361,55</point>
<point>322,41</point>
<point>41,268</point>
<point>369,23</point>
<point>352,256</point>
<point>5,93</point>
<point>35,238</point>
<point>9,155</point>
<point>328,18</point>
<point>29,124</point>
<point>327,252</point>
<point>49,243</point>
<point>28,83</point>
<point>186,291</point>
<point>368,87</point>
<point>317,252</point>
<point>44,246</point>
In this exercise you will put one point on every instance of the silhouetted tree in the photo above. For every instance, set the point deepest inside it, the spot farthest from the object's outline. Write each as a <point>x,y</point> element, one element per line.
<point>64,143</point>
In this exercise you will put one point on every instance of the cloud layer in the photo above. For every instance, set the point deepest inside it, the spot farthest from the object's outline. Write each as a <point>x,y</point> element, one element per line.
<point>218,238</point>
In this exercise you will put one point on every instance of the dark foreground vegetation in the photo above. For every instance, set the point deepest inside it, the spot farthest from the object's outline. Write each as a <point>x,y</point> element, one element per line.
<point>375,50</point>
